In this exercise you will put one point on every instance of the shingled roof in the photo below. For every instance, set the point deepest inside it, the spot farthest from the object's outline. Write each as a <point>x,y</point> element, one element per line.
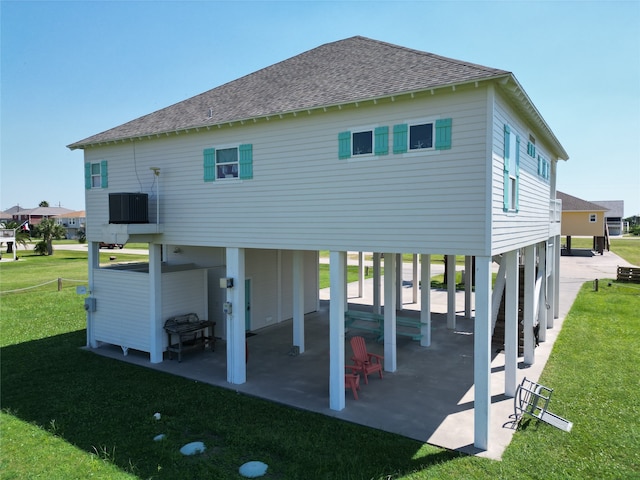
<point>356,69</point>
<point>346,71</point>
<point>575,204</point>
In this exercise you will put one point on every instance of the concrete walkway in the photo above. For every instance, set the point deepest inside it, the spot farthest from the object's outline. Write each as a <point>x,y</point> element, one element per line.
<point>429,397</point>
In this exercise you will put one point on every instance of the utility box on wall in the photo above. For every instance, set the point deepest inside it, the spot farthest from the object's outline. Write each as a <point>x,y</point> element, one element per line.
<point>128,208</point>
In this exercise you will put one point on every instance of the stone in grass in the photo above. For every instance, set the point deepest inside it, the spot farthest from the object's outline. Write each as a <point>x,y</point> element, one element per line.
<point>253,469</point>
<point>192,448</point>
<point>160,437</point>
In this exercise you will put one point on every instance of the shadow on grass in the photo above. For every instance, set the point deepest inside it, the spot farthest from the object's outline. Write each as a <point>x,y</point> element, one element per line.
<point>106,407</point>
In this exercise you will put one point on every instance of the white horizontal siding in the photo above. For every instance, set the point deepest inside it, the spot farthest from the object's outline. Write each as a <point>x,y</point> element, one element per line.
<point>530,224</point>
<point>303,197</point>
<point>122,308</point>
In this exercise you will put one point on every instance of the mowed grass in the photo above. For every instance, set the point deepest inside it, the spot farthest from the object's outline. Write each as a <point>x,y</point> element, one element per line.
<point>68,413</point>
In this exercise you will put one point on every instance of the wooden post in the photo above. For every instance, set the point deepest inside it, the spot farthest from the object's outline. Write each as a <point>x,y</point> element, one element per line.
<point>59,284</point>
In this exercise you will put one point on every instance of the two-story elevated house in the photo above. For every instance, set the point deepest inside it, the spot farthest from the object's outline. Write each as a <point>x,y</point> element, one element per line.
<point>356,145</point>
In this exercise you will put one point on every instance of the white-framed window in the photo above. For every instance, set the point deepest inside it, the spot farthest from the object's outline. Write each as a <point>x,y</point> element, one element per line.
<point>95,175</point>
<point>96,178</point>
<point>227,162</point>
<point>421,136</point>
<point>593,217</point>
<point>362,143</point>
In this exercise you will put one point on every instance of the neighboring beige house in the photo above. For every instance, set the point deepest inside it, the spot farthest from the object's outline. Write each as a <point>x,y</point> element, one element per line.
<point>581,218</point>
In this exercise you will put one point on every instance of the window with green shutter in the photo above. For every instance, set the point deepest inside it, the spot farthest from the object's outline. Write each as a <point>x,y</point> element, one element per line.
<point>228,162</point>
<point>422,135</point>
<point>507,145</point>
<point>96,175</point>
<point>511,187</point>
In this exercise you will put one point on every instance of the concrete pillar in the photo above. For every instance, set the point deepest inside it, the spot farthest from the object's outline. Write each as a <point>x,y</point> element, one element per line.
<point>451,292</point>
<point>425,300</point>
<point>529,305</point>
<point>337,303</point>
<point>510,259</point>
<point>298,300</point>
<point>542,300</point>
<point>414,279</point>
<point>156,332</point>
<point>235,321</point>
<point>482,354</point>
<point>468,285</point>
<point>94,263</point>
<point>398,282</point>
<point>377,303</point>
<point>389,312</point>
<point>556,281</point>
<point>360,274</point>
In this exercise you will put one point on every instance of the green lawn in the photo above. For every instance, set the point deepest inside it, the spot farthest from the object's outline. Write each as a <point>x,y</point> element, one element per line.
<point>67,413</point>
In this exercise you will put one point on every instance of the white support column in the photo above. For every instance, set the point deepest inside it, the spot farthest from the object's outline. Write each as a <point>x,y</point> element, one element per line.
<point>551,284</point>
<point>451,292</point>
<point>425,300</point>
<point>468,285</point>
<point>360,274</point>
<point>156,333</point>
<point>498,290</point>
<point>345,283</point>
<point>298,300</point>
<point>398,282</point>
<point>529,306</point>
<point>510,259</point>
<point>390,360</point>
<point>414,278</point>
<point>376,284</point>
<point>94,263</point>
<point>337,303</point>
<point>556,281</point>
<point>482,354</point>
<point>235,322</point>
<point>542,300</point>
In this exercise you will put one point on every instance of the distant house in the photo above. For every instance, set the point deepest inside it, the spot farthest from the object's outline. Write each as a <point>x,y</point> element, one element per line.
<point>35,215</point>
<point>613,216</point>
<point>581,218</point>
<point>73,222</point>
<point>353,146</point>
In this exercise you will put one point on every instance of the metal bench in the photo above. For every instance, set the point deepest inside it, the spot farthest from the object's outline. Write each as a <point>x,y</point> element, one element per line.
<point>533,399</point>
<point>192,333</point>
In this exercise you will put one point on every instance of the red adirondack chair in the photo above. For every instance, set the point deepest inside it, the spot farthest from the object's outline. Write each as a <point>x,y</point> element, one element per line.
<point>365,362</point>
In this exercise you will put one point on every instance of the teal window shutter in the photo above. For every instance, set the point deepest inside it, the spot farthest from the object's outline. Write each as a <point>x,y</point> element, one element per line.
<point>540,172</point>
<point>443,134</point>
<point>104,175</point>
<point>505,199</point>
<point>246,161</point>
<point>209,164</point>
<point>382,140</point>
<point>87,176</point>
<point>400,138</point>
<point>517,193</point>
<point>344,145</point>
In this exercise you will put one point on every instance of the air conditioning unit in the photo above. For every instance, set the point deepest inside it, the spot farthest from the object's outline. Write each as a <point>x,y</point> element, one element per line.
<point>128,208</point>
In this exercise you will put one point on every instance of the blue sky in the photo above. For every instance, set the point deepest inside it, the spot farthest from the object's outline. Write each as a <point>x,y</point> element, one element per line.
<point>73,69</point>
